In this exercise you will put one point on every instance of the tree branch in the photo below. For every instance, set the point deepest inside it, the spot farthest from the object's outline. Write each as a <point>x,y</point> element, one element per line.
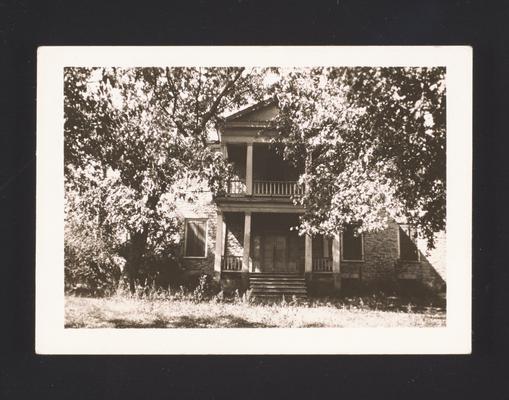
<point>213,108</point>
<point>197,99</point>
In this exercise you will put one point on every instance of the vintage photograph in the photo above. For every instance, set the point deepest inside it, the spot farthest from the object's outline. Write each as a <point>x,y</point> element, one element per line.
<point>306,200</point>
<point>255,197</point>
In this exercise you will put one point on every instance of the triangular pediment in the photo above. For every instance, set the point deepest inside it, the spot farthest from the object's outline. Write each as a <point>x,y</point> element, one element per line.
<point>261,112</point>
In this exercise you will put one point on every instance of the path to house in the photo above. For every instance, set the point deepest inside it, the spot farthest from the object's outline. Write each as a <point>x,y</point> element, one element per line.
<point>123,312</point>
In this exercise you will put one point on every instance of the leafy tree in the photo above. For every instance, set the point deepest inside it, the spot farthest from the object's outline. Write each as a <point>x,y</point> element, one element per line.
<point>137,134</point>
<point>92,265</point>
<point>372,141</point>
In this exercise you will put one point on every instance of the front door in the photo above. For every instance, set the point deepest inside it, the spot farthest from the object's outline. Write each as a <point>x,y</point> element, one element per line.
<point>274,253</point>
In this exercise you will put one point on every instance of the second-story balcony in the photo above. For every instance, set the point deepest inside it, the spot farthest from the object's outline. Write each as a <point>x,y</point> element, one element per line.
<point>264,188</point>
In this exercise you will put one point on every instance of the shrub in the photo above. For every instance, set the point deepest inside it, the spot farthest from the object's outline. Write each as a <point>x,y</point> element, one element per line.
<point>91,265</point>
<point>200,290</point>
<point>158,272</point>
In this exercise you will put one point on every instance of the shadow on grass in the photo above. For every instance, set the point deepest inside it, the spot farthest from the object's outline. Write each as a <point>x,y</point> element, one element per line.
<point>384,303</point>
<point>223,321</point>
<point>406,297</point>
<point>125,323</point>
<point>316,325</point>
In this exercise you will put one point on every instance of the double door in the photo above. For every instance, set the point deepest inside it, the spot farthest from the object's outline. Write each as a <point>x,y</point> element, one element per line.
<point>275,252</point>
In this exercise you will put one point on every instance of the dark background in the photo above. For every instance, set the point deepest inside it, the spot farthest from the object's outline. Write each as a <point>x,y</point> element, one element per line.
<point>24,25</point>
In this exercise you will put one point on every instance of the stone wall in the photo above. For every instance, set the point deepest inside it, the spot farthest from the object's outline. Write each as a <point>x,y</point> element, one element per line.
<point>380,255</point>
<point>381,261</point>
<point>431,269</point>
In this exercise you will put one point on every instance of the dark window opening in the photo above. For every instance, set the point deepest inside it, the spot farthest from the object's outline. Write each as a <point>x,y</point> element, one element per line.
<point>196,231</point>
<point>352,245</point>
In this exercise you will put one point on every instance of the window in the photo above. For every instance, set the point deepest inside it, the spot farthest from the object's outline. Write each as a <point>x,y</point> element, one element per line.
<point>196,238</point>
<point>322,247</point>
<point>407,243</point>
<point>352,245</point>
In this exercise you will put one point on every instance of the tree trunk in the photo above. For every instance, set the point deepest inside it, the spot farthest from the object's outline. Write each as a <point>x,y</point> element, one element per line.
<point>138,246</point>
<point>135,252</point>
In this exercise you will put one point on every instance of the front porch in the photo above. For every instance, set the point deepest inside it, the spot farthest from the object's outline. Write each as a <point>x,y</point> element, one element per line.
<point>250,243</point>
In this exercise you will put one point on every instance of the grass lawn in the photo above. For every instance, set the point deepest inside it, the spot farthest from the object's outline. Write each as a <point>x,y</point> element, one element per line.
<point>127,312</point>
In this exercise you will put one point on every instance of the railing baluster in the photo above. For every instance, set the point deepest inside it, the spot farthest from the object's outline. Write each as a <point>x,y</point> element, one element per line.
<point>322,264</point>
<point>270,188</point>
<point>231,263</point>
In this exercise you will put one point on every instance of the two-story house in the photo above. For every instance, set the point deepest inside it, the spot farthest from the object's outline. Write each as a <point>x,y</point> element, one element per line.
<point>244,238</point>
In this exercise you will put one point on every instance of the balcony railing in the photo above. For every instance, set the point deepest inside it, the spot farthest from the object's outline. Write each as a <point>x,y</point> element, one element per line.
<point>236,187</point>
<point>277,188</point>
<point>231,263</point>
<point>322,264</point>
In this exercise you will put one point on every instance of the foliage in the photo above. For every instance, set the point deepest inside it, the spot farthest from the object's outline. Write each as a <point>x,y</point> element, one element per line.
<point>133,139</point>
<point>372,142</point>
<point>91,264</point>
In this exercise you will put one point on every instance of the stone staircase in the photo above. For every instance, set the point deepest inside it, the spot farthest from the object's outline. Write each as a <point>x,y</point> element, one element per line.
<point>276,285</point>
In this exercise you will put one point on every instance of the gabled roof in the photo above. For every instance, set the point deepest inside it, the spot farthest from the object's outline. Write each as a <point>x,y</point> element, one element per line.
<point>256,121</point>
<point>252,110</point>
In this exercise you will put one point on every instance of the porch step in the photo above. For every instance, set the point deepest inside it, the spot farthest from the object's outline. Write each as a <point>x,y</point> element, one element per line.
<point>276,285</point>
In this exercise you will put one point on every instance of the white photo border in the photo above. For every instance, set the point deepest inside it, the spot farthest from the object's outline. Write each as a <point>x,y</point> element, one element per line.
<point>53,338</point>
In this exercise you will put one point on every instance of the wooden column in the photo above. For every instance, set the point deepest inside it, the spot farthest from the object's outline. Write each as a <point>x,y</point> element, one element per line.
<point>308,260</point>
<point>224,151</point>
<point>336,265</point>
<point>219,245</point>
<point>246,267</point>
<point>249,169</point>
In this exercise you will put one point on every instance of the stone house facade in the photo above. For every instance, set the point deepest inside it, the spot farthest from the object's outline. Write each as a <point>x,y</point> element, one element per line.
<point>247,231</point>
